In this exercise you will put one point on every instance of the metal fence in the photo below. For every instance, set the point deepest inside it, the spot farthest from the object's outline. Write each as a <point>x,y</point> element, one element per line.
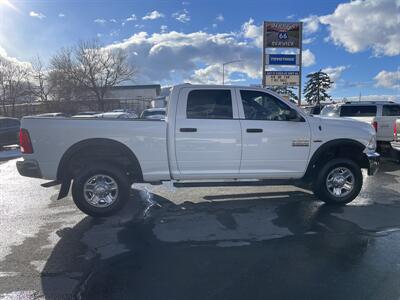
<point>73,107</point>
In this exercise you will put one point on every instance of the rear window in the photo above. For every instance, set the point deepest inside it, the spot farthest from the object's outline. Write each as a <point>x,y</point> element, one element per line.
<point>209,104</point>
<point>391,110</point>
<point>358,111</point>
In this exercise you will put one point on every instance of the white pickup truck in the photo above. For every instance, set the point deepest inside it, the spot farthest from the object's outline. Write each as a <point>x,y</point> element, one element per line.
<point>209,133</point>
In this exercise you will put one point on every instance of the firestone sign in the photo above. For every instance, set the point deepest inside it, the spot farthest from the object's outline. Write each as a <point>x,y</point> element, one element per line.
<point>282,34</point>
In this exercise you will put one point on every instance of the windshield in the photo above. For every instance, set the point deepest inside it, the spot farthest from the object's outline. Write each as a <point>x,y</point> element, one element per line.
<point>330,111</point>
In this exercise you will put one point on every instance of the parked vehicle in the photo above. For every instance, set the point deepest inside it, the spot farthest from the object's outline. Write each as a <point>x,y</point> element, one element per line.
<point>86,114</point>
<point>117,115</point>
<point>53,115</point>
<point>153,113</point>
<point>381,115</point>
<point>396,138</point>
<point>211,133</point>
<point>9,129</point>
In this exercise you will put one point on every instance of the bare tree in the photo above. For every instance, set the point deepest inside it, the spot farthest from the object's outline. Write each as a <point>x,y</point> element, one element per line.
<point>13,83</point>
<point>94,67</point>
<point>41,87</point>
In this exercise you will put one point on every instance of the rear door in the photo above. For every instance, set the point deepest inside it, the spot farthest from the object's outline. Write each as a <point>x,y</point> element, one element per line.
<point>390,112</point>
<point>207,134</point>
<point>273,146</point>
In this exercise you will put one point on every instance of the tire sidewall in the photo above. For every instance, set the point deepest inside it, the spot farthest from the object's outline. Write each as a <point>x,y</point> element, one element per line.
<point>106,169</point>
<point>320,189</point>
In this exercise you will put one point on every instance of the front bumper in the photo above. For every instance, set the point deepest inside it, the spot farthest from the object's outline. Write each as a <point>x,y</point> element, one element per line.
<point>373,163</point>
<point>395,145</point>
<point>29,168</point>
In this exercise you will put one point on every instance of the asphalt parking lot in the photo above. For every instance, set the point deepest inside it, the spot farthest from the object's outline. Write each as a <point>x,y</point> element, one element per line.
<point>236,242</point>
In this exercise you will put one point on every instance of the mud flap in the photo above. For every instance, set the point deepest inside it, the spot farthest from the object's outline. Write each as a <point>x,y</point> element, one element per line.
<point>64,190</point>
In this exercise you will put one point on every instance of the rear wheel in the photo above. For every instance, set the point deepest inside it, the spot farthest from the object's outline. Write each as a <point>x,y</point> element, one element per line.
<point>100,190</point>
<point>339,181</point>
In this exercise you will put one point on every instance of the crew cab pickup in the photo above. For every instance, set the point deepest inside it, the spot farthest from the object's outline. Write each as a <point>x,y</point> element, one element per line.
<point>209,133</point>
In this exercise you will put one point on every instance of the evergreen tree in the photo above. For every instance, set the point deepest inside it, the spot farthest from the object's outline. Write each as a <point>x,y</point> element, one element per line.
<point>285,90</point>
<point>316,87</point>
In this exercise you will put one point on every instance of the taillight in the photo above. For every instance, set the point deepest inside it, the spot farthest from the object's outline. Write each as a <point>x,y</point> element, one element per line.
<point>25,143</point>
<point>375,125</point>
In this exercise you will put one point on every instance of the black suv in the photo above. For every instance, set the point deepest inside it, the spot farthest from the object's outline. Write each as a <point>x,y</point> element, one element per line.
<point>9,131</point>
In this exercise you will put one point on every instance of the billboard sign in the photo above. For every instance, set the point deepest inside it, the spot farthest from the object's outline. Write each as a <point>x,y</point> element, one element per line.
<point>282,78</point>
<point>283,59</point>
<point>282,34</point>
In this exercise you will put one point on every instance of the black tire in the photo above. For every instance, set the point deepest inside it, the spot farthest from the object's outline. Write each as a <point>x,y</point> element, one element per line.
<point>93,169</point>
<point>321,190</point>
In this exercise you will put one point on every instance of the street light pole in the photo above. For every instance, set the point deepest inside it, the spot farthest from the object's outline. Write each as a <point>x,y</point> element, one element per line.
<point>223,68</point>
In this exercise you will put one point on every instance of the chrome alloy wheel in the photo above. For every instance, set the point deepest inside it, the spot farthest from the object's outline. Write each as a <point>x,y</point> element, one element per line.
<point>100,190</point>
<point>340,182</point>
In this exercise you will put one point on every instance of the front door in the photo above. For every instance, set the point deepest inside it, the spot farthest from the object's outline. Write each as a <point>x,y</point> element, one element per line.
<point>207,134</point>
<point>276,138</point>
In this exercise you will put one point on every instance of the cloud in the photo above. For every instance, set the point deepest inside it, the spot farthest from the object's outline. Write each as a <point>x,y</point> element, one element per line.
<point>172,57</point>
<point>308,58</point>
<point>182,16</point>
<point>113,21</point>
<point>335,72</point>
<point>131,18</point>
<point>310,24</point>
<point>164,28</point>
<point>38,15</point>
<point>388,79</point>
<point>220,18</point>
<point>360,25</point>
<point>61,15</point>
<point>253,32</point>
<point>5,57</point>
<point>100,21</point>
<point>308,40</point>
<point>153,15</point>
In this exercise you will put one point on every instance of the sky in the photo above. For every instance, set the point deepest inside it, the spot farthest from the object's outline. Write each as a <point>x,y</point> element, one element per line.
<point>357,43</point>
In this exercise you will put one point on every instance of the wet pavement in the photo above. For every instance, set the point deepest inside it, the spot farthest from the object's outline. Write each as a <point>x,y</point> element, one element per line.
<point>237,242</point>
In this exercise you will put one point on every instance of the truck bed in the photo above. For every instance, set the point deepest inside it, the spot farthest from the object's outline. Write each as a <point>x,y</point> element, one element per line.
<point>51,137</point>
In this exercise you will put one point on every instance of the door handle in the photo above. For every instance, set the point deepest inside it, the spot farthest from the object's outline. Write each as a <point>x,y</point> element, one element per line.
<point>254,130</point>
<point>188,130</point>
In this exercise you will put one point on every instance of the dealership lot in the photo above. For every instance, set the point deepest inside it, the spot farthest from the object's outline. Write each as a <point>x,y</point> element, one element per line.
<point>224,242</point>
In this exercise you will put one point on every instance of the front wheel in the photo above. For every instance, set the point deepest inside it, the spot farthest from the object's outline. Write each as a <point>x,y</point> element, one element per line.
<point>339,181</point>
<point>100,190</point>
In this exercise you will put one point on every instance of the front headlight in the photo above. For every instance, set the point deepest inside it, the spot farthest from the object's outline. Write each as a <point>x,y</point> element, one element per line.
<point>371,146</point>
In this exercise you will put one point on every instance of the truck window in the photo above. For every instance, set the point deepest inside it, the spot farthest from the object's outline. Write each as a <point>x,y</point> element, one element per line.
<point>209,104</point>
<point>391,110</point>
<point>358,111</point>
<point>262,106</point>
<point>330,111</point>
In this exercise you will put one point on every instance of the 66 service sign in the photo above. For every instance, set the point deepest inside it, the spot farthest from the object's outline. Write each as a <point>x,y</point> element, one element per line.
<point>282,34</point>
